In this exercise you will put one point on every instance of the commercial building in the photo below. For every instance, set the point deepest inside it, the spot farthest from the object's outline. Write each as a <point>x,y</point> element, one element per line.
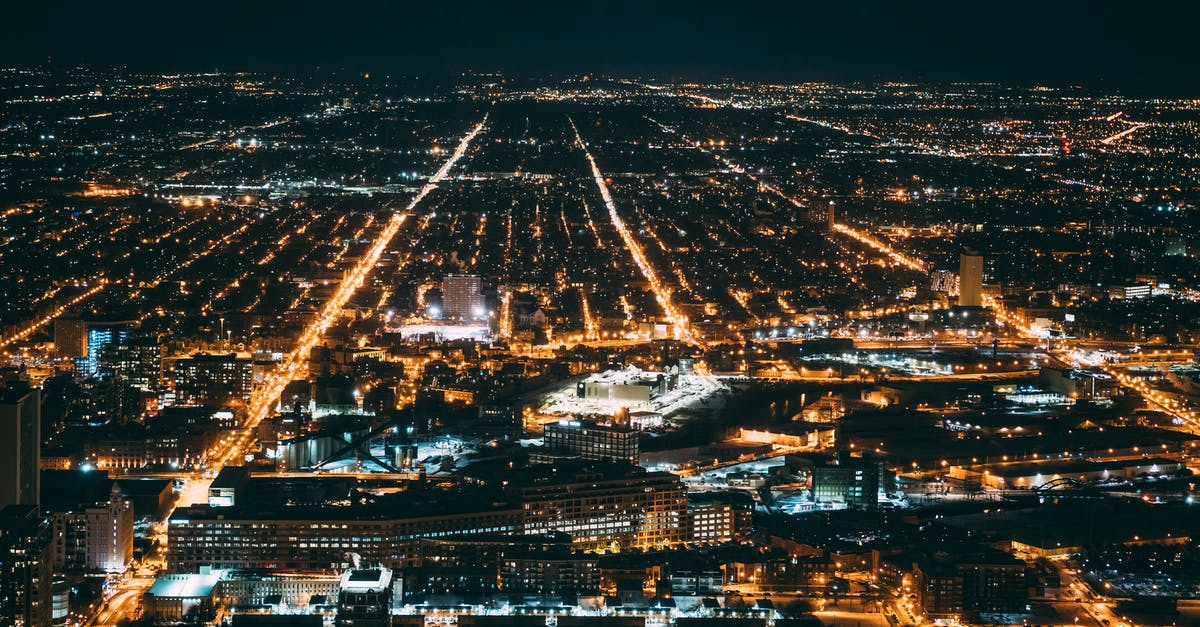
<point>110,533</point>
<point>853,481</point>
<point>1134,291</point>
<point>955,586</point>
<point>222,492</point>
<point>591,440</point>
<point>60,602</point>
<point>175,596</point>
<point>939,590</point>
<point>219,380</point>
<point>256,589</point>
<point>365,598</point>
<point>20,444</point>
<point>173,448</point>
<point>550,575</point>
<point>96,536</point>
<point>606,510</point>
<point>1028,475</point>
<point>462,298</point>
<point>137,361</point>
<point>1079,384</point>
<point>697,581</point>
<point>970,280</point>
<point>944,281</point>
<point>25,567</point>
<point>99,337</point>
<point>317,524</point>
<point>321,535</point>
<point>784,572</point>
<point>717,517</point>
<point>70,338</point>
<point>633,393</point>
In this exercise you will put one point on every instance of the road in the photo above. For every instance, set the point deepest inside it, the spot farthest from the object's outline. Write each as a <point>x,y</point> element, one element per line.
<point>294,365</point>
<point>839,618</point>
<point>1075,590</point>
<point>123,604</point>
<point>679,323</point>
<point>34,325</point>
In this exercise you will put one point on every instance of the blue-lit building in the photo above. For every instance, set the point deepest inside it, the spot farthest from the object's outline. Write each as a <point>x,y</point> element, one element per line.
<point>98,338</point>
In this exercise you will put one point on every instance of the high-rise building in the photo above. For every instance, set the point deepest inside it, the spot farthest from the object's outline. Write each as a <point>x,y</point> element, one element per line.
<point>461,297</point>
<point>137,361</point>
<point>20,444</point>
<point>970,280</point>
<point>96,536</point>
<point>110,533</point>
<point>590,440</point>
<point>25,567</point>
<point>70,338</point>
<point>217,380</point>
<point>99,336</point>
<point>853,481</point>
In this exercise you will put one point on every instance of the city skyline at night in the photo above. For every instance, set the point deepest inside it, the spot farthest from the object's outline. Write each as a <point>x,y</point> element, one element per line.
<point>487,315</point>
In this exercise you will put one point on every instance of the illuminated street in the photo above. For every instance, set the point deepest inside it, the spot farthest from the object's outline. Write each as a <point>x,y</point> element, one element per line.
<point>858,314</point>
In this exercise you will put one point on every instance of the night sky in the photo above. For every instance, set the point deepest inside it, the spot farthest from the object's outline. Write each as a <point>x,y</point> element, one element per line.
<point>1130,46</point>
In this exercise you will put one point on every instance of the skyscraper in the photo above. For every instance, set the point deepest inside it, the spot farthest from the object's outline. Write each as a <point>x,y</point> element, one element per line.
<point>970,280</point>
<point>70,338</point>
<point>99,337</point>
<point>25,567</point>
<point>20,444</point>
<point>461,298</point>
<point>137,361</point>
<point>110,533</point>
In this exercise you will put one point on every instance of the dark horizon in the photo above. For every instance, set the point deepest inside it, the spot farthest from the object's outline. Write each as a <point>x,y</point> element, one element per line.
<point>1101,45</point>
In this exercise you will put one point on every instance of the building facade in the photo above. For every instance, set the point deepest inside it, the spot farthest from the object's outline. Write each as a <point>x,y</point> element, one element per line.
<point>970,280</point>
<point>462,298</point>
<point>218,380</point>
<point>643,511</point>
<point>110,533</point>
<point>20,444</point>
<point>590,440</point>
<point>26,575</point>
<point>853,481</point>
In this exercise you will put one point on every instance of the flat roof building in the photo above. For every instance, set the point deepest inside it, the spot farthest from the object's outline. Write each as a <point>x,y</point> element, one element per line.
<point>20,444</point>
<point>592,440</point>
<point>970,280</point>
